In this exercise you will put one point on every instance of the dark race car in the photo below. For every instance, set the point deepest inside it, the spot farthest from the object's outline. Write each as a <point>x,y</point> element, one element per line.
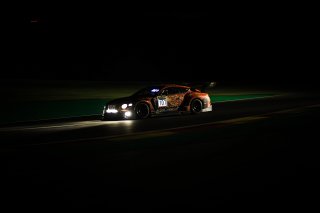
<point>156,100</point>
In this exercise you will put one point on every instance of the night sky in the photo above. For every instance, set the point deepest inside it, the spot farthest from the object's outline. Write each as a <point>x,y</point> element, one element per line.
<point>249,44</point>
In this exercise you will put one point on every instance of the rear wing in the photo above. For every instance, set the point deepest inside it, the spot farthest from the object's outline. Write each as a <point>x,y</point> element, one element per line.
<point>202,86</point>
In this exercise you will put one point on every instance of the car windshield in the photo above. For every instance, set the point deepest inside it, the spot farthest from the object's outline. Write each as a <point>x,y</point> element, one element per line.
<point>148,91</point>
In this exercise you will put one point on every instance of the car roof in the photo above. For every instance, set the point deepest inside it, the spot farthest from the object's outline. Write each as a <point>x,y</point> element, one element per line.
<point>171,85</point>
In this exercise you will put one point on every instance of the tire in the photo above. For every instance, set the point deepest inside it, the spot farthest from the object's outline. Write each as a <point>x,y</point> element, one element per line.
<point>142,111</point>
<point>196,106</point>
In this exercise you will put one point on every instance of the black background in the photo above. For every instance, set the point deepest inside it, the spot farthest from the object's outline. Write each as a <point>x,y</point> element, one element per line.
<point>265,43</point>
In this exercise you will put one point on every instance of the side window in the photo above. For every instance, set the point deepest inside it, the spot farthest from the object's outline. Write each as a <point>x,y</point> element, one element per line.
<point>182,90</point>
<point>173,91</point>
<point>164,92</point>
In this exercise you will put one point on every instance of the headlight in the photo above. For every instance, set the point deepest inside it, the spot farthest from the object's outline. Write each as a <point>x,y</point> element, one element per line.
<point>124,106</point>
<point>112,111</point>
<point>127,114</point>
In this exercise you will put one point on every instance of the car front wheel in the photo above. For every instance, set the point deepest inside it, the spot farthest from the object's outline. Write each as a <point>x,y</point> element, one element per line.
<point>142,111</point>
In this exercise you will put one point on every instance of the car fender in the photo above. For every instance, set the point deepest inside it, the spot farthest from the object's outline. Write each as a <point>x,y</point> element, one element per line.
<point>148,102</point>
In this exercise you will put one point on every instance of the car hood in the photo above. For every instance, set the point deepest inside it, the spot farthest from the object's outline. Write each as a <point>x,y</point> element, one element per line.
<point>124,100</point>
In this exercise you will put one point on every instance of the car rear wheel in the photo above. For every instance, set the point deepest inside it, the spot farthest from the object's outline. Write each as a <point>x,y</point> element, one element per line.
<point>142,111</point>
<point>196,106</point>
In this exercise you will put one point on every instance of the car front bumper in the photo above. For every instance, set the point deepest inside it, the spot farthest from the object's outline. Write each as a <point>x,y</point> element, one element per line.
<point>117,114</point>
<point>208,109</point>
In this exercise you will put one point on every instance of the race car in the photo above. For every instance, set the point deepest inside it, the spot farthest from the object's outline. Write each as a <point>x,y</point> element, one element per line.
<point>158,100</point>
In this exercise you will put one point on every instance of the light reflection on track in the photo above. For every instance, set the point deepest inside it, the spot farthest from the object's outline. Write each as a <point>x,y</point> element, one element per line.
<point>68,125</point>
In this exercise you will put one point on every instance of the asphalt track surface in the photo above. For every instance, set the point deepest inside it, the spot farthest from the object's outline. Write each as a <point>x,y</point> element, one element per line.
<point>243,154</point>
<point>81,131</point>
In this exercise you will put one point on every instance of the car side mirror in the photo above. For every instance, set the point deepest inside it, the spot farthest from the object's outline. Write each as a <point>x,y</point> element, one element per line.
<point>164,92</point>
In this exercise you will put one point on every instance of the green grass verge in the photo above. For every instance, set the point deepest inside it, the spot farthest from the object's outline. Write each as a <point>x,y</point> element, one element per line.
<point>43,110</point>
<point>222,98</point>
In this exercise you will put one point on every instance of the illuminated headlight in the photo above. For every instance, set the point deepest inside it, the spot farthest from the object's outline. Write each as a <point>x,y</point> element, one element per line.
<point>130,104</point>
<point>124,106</point>
<point>112,111</point>
<point>127,114</point>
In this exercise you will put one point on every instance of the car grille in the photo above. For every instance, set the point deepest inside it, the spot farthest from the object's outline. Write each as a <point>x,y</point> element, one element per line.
<point>111,106</point>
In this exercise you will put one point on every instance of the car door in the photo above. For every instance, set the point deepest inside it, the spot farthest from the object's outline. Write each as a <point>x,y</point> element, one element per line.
<point>161,101</point>
<point>169,99</point>
<point>174,98</point>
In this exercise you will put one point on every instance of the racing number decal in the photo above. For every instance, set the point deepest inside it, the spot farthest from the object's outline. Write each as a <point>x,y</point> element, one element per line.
<point>162,102</point>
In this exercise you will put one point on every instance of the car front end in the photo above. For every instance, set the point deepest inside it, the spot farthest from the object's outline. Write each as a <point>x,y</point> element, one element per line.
<point>118,110</point>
